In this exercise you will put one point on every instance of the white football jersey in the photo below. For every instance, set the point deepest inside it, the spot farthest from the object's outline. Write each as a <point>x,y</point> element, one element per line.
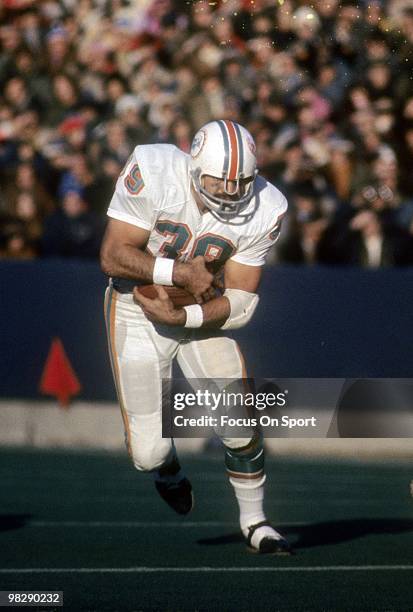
<point>153,192</point>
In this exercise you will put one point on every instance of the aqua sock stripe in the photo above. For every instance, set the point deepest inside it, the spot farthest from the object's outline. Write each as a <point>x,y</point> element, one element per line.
<point>245,464</point>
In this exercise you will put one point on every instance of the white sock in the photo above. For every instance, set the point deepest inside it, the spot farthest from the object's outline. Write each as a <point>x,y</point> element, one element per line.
<point>250,497</point>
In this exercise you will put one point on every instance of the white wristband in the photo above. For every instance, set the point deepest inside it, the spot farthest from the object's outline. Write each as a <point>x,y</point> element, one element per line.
<point>162,271</point>
<point>194,315</point>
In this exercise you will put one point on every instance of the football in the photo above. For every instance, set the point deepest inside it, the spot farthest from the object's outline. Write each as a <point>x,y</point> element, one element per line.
<point>180,297</point>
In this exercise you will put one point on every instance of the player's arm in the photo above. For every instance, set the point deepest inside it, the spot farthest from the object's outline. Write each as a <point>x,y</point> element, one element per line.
<point>123,254</point>
<point>240,282</point>
<point>231,310</point>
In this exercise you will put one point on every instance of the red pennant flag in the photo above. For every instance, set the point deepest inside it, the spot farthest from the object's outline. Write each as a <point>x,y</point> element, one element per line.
<point>58,378</point>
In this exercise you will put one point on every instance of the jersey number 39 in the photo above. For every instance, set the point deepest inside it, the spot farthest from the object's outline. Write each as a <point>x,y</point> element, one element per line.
<point>178,235</point>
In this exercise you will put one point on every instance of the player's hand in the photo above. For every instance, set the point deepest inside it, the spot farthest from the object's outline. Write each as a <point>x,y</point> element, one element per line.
<point>208,295</point>
<point>195,278</point>
<point>217,288</point>
<point>218,281</point>
<point>160,309</point>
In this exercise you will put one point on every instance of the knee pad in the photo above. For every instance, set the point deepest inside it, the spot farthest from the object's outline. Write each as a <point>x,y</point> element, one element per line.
<point>150,458</point>
<point>149,451</point>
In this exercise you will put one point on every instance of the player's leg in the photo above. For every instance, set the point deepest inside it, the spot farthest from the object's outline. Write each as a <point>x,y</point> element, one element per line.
<point>218,358</point>
<point>140,358</point>
<point>245,467</point>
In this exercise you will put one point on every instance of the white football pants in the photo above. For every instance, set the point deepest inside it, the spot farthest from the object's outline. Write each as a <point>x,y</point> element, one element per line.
<point>141,355</point>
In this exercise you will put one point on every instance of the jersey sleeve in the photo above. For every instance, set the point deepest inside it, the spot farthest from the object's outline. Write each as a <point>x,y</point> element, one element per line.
<point>253,251</point>
<point>132,201</point>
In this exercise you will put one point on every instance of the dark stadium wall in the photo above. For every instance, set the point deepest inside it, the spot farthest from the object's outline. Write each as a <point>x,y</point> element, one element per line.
<point>311,322</point>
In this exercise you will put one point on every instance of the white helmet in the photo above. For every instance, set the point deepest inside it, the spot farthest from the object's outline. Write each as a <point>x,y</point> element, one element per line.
<point>225,150</point>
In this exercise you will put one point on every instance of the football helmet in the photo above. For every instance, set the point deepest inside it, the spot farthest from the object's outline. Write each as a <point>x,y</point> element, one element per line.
<point>225,150</point>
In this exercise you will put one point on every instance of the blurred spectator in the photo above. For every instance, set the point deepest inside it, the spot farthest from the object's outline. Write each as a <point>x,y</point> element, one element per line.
<point>14,242</point>
<point>80,177</point>
<point>29,214</point>
<point>366,241</point>
<point>182,134</point>
<point>304,229</point>
<point>24,179</point>
<point>73,230</point>
<point>65,101</point>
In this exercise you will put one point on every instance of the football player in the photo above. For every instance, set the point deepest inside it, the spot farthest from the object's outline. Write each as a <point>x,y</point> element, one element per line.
<point>175,219</point>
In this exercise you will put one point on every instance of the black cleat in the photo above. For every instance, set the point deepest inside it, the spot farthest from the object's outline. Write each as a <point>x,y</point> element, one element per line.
<point>178,496</point>
<point>272,546</point>
<point>268,545</point>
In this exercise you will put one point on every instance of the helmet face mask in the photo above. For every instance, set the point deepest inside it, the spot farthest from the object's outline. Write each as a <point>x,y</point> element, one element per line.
<point>224,151</point>
<point>226,206</point>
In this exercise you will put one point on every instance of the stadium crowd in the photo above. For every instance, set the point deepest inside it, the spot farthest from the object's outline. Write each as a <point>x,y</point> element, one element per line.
<point>325,87</point>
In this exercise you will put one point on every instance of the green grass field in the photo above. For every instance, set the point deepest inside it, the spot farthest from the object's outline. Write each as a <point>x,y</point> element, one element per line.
<point>89,525</point>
